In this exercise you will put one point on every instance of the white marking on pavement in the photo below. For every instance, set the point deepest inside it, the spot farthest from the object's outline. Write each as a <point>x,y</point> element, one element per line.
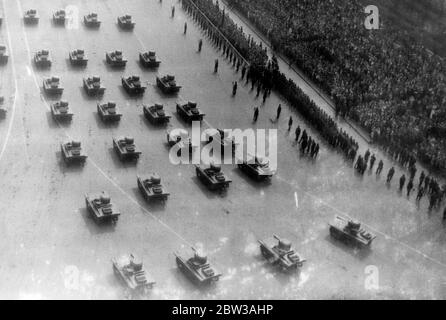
<point>296,199</point>
<point>14,72</point>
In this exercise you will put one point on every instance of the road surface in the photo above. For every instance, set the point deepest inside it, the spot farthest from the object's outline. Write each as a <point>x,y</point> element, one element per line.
<point>50,247</point>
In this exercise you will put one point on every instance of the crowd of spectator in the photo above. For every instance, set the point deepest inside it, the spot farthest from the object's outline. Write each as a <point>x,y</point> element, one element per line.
<point>393,86</point>
<point>263,73</point>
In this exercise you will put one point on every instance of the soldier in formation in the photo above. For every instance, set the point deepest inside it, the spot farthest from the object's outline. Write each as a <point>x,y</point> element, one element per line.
<point>234,88</point>
<point>256,114</point>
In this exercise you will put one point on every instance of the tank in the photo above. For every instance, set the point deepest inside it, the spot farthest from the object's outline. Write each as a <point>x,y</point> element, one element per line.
<point>78,58</point>
<point>149,60</point>
<point>52,85</point>
<point>125,22</point>
<point>60,111</point>
<point>156,114</point>
<point>72,152</point>
<point>31,17</point>
<point>93,87</point>
<point>131,273</point>
<point>3,54</point>
<point>42,59</point>
<point>115,59</point>
<point>108,112</point>
<point>91,20</point>
<point>281,254</point>
<point>258,169</point>
<point>151,187</point>
<point>213,178</point>
<point>125,148</point>
<point>101,208</point>
<point>189,111</point>
<point>132,85</point>
<point>59,17</point>
<point>350,232</point>
<point>167,84</point>
<point>197,269</point>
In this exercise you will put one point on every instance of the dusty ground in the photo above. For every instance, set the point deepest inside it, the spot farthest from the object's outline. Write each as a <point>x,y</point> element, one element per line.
<point>51,249</point>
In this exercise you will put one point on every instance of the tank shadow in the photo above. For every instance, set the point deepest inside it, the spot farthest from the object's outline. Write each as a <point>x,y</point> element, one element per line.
<point>282,276</point>
<point>127,96</point>
<point>250,180</point>
<point>56,24</point>
<point>113,68</point>
<point>51,122</point>
<point>90,97</point>
<point>361,254</point>
<point>210,194</point>
<point>90,28</point>
<point>121,164</point>
<point>92,226</point>
<point>72,67</point>
<point>161,127</point>
<point>152,206</point>
<point>188,285</point>
<point>68,168</point>
<point>104,125</point>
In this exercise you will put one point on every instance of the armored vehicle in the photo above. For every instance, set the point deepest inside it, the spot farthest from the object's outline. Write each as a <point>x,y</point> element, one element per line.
<point>42,59</point>
<point>130,271</point>
<point>257,168</point>
<point>101,208</point>
<point>60,111</point>
<point>126,22</point>
<point>156,114</point>
<point>151,188</point>
<point>59,17</point>
<point>93,87</point>
<point>78,58</point>
<point>115,59</point>
<point>197,269</point>
<point>91,20</point>
<point>1,19</point>
<point>125,148</point>
<point>189,111</point>
<point>3,54</point>
<point>52,85</point>
<point>31,17</point>
<point>281,254</point>
<point>351,232</point>
<point>167,84</point>
<point>148,59</point>
<point>133,85</point>
<point>108,112</point>
<point>212,177</point>
<point>72,152</point>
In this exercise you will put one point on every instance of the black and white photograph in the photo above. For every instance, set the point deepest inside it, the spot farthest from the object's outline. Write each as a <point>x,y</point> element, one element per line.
<point>222,150</point>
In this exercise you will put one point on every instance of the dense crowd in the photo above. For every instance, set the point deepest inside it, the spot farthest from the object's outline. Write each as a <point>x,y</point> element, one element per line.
<point>262,73</point>
<point>392,86</point>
